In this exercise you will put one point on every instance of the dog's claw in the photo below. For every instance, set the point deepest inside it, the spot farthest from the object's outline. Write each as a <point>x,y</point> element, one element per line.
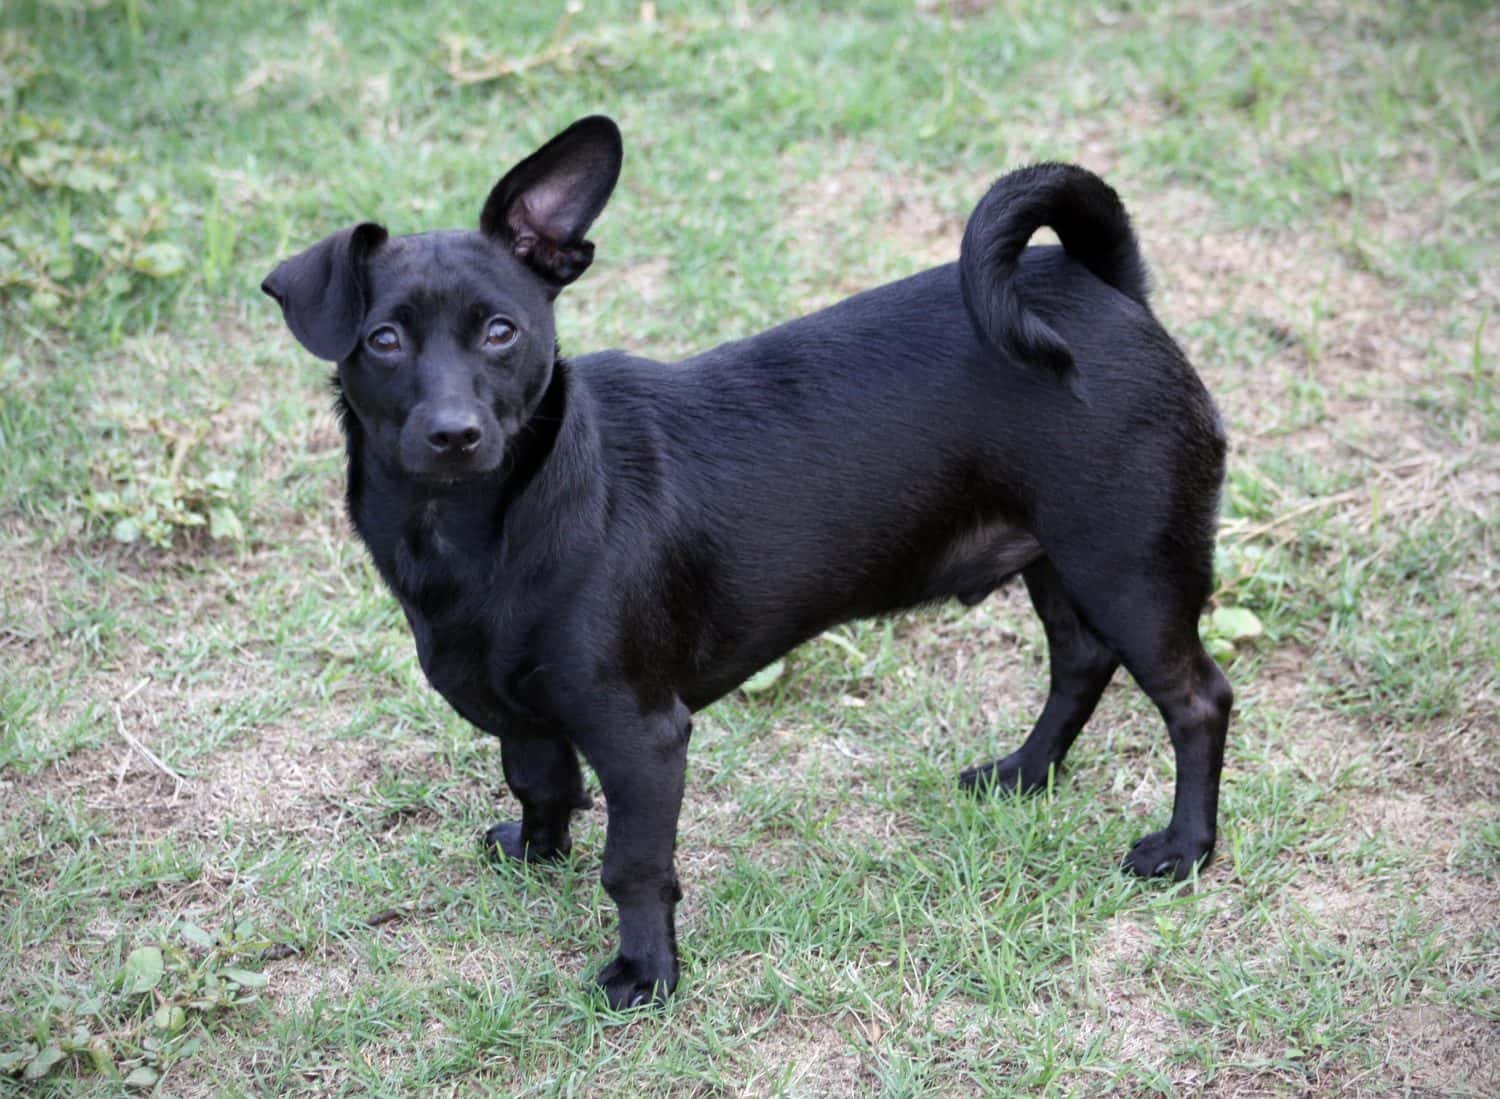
<point>1004,776</point>
<point>1165,854</point>
<point>629,985</point>
<point>504,839</point>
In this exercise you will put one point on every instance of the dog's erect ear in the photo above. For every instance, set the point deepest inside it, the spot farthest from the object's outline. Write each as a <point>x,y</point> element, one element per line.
<point>545,204</point>
<point>322,291</point>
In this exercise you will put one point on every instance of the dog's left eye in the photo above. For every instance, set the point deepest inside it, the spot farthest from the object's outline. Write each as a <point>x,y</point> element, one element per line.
<point>384,340</point>
<point>499,333</point>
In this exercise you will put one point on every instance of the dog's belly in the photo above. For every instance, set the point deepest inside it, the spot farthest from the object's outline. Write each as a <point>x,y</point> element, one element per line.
<point>967,566</point>
<point>978,561</point>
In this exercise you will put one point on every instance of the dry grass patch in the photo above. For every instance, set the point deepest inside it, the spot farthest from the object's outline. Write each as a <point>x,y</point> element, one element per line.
<point>1432,1049</point>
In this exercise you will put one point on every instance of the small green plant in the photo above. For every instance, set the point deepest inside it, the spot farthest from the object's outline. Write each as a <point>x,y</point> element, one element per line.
<point>75,229</point>
<point>152,1015</point>
<point>1231,626</point>
<point>1227,630</point>
<point>147,503</point>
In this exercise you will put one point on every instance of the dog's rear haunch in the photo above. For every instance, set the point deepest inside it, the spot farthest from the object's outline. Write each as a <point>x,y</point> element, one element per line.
<point>589,550</point>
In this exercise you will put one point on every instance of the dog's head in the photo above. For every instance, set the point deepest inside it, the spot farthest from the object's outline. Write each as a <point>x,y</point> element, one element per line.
<point>444,341</point>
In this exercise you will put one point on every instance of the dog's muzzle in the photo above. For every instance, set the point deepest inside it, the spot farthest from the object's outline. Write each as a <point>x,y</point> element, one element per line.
<point>451,442</point>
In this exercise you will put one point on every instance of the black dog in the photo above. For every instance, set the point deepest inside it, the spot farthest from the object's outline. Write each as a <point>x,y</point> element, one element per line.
<point>590,550</point>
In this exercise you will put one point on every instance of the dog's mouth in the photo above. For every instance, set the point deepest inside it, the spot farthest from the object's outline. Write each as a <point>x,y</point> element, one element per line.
<point>452,478</point>
<point>454,470</point>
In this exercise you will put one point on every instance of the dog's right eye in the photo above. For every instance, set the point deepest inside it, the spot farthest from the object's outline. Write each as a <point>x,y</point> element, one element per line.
<point>385,340</point>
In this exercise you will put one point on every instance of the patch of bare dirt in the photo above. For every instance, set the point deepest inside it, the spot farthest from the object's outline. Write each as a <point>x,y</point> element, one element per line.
<point>1124,1008</point>
<point>287,762</point>
<point>812,1057</point>
<point>289,780</point>
<point>298,982</point>
<point>1433,1048</point>
<point>1328,322</point>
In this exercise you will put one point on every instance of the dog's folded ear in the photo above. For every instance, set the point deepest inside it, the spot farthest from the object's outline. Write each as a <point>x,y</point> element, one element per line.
<point>322,291</point>
<point>545,204</point>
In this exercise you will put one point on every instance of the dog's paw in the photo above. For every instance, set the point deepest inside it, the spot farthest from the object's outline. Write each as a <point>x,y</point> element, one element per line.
<point>504,840</point>
<point>629,984</point>
<point>1166,854</point>
<point>1004,776</point>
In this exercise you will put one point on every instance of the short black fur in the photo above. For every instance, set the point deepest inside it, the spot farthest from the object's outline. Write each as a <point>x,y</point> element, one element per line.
<point>589,551</point>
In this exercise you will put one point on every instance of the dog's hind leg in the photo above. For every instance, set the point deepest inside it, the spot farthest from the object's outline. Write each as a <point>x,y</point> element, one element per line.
<point>541,769</point>
<point>1081,667</point>
<point>1195,699</point>
<point>1149,618</point>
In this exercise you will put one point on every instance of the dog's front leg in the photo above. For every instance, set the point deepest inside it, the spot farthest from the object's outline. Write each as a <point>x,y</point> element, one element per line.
<point>641,761</point>
<point>541,769</point>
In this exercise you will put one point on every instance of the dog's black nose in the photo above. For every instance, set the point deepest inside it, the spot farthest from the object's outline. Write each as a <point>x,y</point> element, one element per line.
<point>452,433</point>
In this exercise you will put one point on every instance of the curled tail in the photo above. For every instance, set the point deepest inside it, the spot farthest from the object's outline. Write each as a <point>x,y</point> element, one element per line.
<point>1094,229</point>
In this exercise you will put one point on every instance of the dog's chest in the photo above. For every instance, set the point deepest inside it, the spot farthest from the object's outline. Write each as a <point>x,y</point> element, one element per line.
<point>481,668</point>
<point>472,643</point>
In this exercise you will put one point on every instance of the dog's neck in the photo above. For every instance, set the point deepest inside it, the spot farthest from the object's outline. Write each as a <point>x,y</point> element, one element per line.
<point>428,540</point>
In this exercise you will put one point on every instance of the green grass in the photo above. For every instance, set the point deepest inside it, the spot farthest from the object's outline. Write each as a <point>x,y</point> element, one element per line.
<point>1317,187</point>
